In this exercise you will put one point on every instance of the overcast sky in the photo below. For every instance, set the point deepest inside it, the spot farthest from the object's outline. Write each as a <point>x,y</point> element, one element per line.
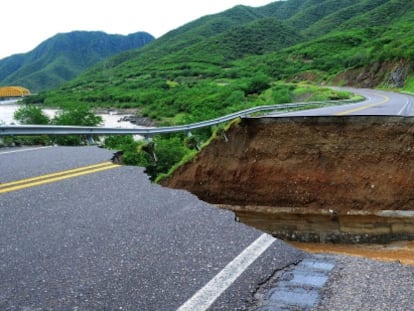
<point>24,24</point>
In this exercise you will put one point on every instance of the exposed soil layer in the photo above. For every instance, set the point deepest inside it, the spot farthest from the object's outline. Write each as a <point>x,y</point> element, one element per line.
<point>319,225</point>
<point>401,251</point>
<point>393,74</point>
<point>338,163</point>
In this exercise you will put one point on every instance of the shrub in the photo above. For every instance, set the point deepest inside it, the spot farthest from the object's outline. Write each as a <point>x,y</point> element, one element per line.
<point>168,151</point>
<point>79,115</point>
<point>257,84</point>
<point>30,114</point>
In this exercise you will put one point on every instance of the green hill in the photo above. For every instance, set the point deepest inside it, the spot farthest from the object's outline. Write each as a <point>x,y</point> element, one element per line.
<point>238,58</point>
<point>244,57</point>
<point>63,57</point>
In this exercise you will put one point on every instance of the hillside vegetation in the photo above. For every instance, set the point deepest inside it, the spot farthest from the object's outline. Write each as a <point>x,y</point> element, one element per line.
<point>230,59</point>
<point>63,57</point>
<point>248,56</point>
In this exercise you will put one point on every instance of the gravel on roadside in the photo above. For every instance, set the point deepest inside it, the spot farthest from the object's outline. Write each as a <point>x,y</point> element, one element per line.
<point>364,284</point>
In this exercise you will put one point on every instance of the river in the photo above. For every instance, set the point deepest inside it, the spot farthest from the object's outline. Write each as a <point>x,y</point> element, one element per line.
<point>8,107</point>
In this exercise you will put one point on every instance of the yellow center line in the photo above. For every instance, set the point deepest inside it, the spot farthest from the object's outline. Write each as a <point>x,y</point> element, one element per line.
<point>386,99</point>
<point>49,178</point>
<point>23,181</point>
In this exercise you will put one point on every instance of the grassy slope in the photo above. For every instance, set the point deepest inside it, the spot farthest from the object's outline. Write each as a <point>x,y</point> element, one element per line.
<point>241,58</point>
<point>208,66</point>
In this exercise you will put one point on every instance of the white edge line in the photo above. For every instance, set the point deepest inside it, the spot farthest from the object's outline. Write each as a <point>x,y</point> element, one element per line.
<point>206,296</point>
<point>23,150</point>
<point>403,110</point>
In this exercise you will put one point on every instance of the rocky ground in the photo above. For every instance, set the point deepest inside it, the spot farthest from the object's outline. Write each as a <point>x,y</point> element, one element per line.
<point>364,284</point>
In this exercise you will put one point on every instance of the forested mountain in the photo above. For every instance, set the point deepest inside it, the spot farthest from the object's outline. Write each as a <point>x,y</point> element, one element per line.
<point>63,57</point>
<point>240,57</point>
<point>243,57</point>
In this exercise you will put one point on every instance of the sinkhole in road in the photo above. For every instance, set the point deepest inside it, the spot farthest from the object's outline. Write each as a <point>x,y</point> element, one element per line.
<point>320,225</point>
<point>368,235</point>
<point>331,179</point>
<point>314,179</point>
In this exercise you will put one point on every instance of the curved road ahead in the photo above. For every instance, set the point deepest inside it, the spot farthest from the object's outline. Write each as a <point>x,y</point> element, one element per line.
<point>79,233</point>
<point>376,103</point>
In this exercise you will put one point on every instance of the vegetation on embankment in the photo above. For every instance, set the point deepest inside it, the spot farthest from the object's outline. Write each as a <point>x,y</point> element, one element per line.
<point>164,153</point>
<point>246,57</point>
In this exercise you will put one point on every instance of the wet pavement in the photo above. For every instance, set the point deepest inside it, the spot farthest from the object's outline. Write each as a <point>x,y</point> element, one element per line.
<point>112,240</point>
<point>364,284</point>
<point>326,282</point>
<point>103,249</point>
<point>298,287</point>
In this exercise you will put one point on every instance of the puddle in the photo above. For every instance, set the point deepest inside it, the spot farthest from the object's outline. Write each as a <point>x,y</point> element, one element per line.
<point>402,251</point>
<point>322,226</point>
<point>381,235</point>
<point>298,288</point>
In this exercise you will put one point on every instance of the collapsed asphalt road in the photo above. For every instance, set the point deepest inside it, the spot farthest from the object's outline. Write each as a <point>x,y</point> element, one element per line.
<point>112,240</point>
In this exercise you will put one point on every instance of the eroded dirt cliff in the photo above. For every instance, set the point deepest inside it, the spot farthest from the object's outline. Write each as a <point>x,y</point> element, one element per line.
<point>340,163</point>
<point>392,74</point>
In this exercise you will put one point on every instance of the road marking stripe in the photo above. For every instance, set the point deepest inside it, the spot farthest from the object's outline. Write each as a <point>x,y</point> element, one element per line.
<point>65,172</point>
<point>386,99</point>
<point>206,296</point>
<point>49,178</point>
<point>406,109</point>
<point>23,150</point>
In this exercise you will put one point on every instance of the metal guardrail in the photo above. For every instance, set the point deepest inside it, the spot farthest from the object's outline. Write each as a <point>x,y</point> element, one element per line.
<point>149,132</point>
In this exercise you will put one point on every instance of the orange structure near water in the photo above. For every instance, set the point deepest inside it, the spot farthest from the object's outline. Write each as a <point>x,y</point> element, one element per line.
<point>13,91</point>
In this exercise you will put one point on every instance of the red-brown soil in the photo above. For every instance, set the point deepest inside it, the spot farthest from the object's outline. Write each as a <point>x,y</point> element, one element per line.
<point>402,251</point>
<point>339,163</point>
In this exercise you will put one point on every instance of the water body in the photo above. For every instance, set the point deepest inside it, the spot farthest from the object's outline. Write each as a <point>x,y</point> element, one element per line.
<point>8,108</point>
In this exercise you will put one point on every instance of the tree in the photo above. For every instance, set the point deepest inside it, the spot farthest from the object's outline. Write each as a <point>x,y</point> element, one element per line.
<point>81,116</point>
<point>30,114</point>
<point>167,151</point>
<point>257,84</point>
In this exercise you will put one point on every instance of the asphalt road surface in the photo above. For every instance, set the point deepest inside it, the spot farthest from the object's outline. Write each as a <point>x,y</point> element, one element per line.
<point>102,237</point>
<point>79,233</point>
<point>376,103</point>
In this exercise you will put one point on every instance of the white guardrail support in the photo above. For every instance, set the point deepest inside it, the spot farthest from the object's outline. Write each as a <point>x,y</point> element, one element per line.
<point>23,130</point>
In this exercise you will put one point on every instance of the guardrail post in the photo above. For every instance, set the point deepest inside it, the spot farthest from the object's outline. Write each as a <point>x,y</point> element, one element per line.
<point>225,137</point>
<point>150,149</point>
<point>90,140</point>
